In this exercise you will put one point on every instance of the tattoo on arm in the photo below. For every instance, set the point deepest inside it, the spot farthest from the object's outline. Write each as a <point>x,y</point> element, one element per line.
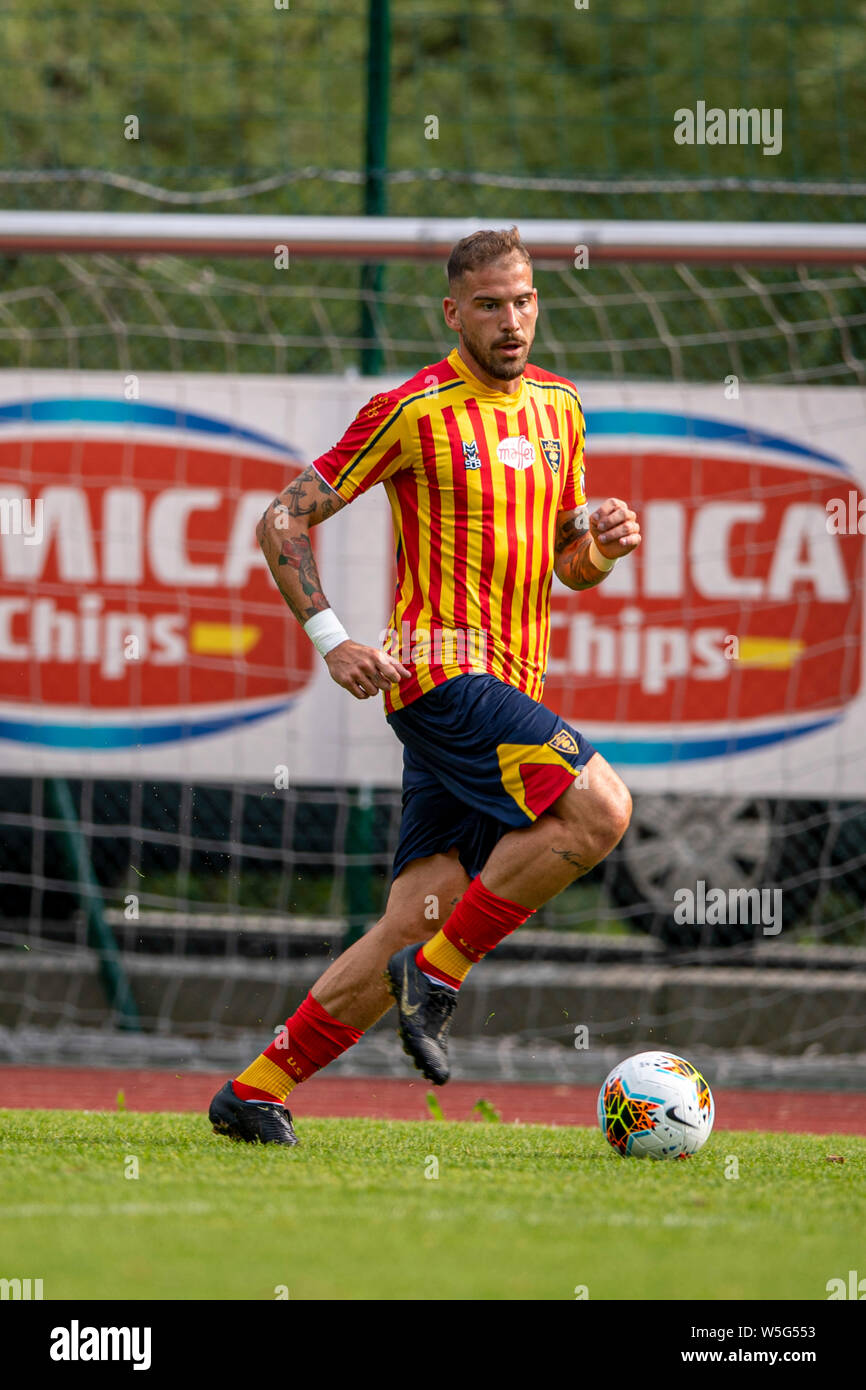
<point>298,553</point>
<point>284,537</point>
<point>570,527</point>
<point>309,495</point>
<point>571,551</point>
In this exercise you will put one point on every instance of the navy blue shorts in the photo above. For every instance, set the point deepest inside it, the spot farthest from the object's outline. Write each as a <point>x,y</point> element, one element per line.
<point>480,758</point>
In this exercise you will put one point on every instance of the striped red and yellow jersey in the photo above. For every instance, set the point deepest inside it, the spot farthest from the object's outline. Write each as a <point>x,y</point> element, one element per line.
<point>475,478</point>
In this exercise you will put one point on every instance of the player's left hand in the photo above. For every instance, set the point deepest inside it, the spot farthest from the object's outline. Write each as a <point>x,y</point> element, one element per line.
<point>615,529</point>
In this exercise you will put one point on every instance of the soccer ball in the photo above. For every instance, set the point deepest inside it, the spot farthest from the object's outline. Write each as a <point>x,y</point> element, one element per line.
<point>655,1105</point>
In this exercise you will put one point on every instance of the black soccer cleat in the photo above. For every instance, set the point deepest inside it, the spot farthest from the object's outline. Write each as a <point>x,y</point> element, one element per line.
<point>425,1011</point>
<point>252,1122</point>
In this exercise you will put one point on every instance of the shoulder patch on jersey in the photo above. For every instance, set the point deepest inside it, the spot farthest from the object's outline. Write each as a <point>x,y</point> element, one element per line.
<point>375,407</point>
<point>563,742</point>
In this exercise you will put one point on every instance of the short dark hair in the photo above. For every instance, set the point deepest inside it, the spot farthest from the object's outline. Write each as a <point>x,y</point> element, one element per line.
<point>483,248</point>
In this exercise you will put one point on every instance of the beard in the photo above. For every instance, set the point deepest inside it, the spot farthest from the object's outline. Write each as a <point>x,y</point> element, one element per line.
<point>502,368</point>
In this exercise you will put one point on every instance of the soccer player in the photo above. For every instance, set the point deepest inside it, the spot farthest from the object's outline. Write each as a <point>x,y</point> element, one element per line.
<point>504,804</point>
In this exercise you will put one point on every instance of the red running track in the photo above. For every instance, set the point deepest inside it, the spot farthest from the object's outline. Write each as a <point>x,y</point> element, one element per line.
<point>79,1088</point>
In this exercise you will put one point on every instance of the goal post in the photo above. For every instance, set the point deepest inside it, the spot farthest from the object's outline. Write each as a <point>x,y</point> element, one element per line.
<point>771,302</point>
<point>410,239</point>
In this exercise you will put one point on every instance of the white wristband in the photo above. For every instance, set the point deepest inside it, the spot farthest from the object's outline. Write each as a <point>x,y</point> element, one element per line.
<point>325,631</point>
<point>600,561</point>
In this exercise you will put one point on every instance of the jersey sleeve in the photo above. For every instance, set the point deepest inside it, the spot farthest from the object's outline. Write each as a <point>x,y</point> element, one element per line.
<point>373,448</point>
<point>574,487</point>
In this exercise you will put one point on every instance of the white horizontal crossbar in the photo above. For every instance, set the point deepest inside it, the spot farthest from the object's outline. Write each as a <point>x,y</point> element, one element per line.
<point>426,239</point>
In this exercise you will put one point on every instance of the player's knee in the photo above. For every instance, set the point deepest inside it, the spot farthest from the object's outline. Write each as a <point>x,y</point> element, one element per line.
<point>609,822</point>
<point>614,816</point>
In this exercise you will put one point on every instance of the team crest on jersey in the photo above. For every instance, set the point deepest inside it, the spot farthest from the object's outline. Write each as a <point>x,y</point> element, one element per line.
<point>470,454</point>
<point>563,742</point>
<point>552,450</point>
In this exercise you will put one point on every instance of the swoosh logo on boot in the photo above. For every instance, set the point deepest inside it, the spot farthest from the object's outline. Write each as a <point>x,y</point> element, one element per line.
<point>405,1007</point>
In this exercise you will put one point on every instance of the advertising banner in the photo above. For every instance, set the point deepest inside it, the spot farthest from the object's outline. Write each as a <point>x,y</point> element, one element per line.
<point>141,634</point>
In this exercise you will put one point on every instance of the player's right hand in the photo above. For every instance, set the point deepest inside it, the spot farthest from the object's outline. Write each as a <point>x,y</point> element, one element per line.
<point>363,671</point>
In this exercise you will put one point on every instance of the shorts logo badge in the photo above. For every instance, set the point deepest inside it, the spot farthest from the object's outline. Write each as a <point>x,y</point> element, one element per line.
<point>563,742</point>
<point>552,450</point>
<point>470,454</point>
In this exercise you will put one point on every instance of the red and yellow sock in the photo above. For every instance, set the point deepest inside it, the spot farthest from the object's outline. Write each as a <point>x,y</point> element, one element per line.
<point>312,1039</point>
<point>479,922</point>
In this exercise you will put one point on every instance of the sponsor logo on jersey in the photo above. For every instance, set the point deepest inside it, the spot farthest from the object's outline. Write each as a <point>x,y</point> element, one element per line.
<point>471,457</point>
<point>516,452</point>
<point>140,611</point>
<point>552,450</point>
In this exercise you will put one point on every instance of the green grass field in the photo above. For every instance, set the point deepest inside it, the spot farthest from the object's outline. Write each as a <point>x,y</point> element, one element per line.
<point>517,1212</point>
